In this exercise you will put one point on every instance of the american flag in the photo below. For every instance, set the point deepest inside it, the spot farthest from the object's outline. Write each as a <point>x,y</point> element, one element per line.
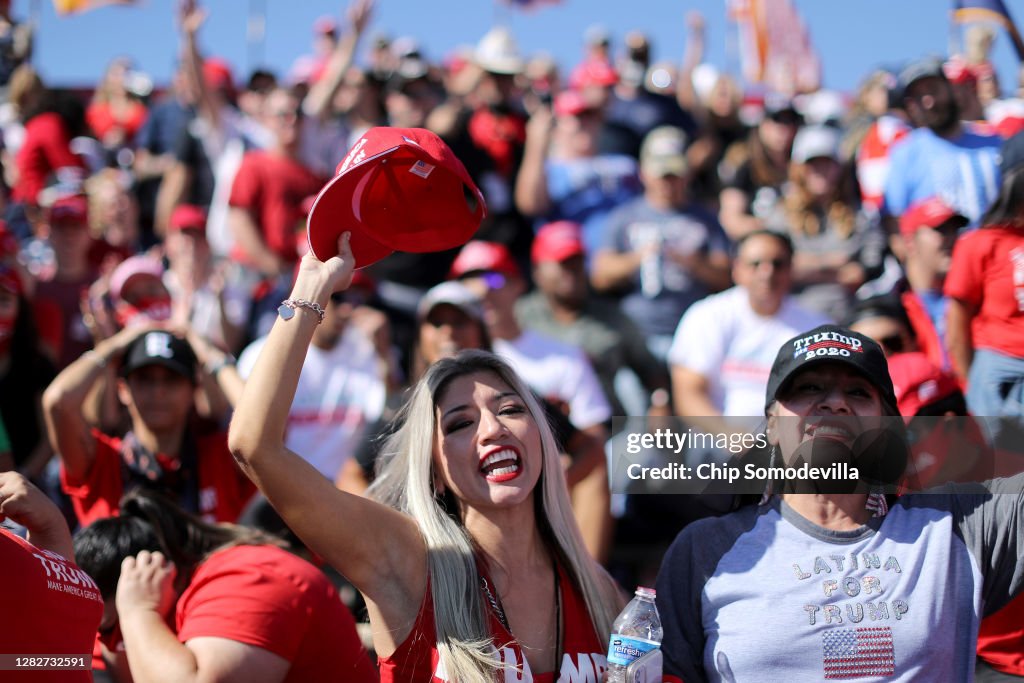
<point>858,653</point>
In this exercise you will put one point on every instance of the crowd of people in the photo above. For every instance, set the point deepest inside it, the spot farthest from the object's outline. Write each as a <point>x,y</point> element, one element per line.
<point>412,463</point>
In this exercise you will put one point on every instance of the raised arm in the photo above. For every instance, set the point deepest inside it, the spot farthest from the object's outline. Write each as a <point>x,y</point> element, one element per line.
<point>191,18</point>
<point>26,505</point>
<point>377,548</point>
<point>318,102</point>
<point>531,191</point>
<point>959,344</point>
<point>63,400</point>
<point>692,57</point>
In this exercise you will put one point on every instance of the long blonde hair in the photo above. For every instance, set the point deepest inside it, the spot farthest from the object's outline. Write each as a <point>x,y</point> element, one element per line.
<point>405,482</point>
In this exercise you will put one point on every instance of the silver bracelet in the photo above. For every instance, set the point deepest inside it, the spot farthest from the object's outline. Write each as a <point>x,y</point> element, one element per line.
<point>226,361</point>
<point>288,307</point>
<point>99,359</point>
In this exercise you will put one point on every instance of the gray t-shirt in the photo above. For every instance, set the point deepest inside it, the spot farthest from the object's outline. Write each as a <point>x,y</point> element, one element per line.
<point>764,594</point>
<point>662,289</point>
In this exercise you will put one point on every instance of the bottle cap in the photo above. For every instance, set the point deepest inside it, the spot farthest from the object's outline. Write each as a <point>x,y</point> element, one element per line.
<point>646,592</point>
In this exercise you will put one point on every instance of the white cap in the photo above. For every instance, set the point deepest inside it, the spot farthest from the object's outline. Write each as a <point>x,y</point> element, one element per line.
<point>454,294</point>
<point>498,53</point>
<point>815,141</point>
<point>821,107</point>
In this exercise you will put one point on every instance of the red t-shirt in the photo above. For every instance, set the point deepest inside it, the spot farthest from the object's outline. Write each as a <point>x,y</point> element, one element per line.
<point>267,597</point>
<point>272,188</point>
<point>583,658</point>
<point>1001,638</point>
<point>49,607</point>
<point>988,272</point>
<point>47,147</point>
<point>223,488</point>
<point>102,120</point>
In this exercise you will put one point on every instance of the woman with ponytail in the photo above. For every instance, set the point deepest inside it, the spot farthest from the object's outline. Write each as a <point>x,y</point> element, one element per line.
<point>466,551</point>
<point>191,600</point>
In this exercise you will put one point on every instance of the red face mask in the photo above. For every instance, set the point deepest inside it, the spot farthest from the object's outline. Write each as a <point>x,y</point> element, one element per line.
<point>147,309</point>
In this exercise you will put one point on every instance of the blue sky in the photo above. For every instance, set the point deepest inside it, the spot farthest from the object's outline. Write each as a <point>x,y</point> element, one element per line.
<point>852,36</point>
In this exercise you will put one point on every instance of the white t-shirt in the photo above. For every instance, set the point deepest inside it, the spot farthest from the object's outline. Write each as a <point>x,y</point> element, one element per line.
<point>205,318</point>
<point>723,339</point>
<point>340,392</point>
<point>557,370</point>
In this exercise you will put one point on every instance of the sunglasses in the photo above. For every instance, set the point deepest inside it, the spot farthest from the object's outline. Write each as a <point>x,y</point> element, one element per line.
<point>892,343</point>
<point>786,119</point>
<point>351,297</point>
<point>776,263</point>
<point>286,114</point>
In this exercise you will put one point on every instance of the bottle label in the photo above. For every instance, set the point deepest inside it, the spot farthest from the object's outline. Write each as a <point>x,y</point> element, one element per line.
<point>624,650</point>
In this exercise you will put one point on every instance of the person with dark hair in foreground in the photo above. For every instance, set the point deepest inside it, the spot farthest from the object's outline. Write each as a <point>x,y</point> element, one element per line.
<point>243,607</point>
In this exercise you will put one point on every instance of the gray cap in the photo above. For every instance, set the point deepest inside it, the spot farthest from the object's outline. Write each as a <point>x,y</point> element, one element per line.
<point>928,67</point>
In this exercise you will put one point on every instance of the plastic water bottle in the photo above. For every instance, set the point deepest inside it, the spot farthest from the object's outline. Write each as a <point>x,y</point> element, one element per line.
<point>636,631</point>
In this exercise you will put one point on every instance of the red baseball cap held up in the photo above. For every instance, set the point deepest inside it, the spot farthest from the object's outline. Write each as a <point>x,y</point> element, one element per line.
<point>398,189</point>
<point>928,213</point>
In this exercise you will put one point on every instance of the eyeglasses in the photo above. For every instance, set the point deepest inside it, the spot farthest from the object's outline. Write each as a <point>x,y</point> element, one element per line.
<point>286,114</point>
<point>776,263</point>
<point>350,296</point>
<point>786,119</point>
<point>494,280</point>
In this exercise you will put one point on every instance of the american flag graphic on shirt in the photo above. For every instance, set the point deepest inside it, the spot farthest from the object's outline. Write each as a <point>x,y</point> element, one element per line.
<point>858,653</point>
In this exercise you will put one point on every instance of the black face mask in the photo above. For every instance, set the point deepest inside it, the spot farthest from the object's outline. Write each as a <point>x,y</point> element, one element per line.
<point>879,455</point>
<point>823,454</point>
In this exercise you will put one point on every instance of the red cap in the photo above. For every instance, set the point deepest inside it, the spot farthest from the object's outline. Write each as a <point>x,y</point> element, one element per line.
<point>930,213</point>
<point>10,280</point>
<point>593,72</point>
<point>570,103</point>
<point>217,74</point>
<point>130,268</point>
<point>188,217</point>
<point>72,209</point>
<point>397,189</point>
<point>479,256</point>
<point>918,382</point>
<point>325,25</point>
<point>557,242</point>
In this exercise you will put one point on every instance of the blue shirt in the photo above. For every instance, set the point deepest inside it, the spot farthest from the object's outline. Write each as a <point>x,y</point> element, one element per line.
<point>586,190</point>
<point>963,171</point>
